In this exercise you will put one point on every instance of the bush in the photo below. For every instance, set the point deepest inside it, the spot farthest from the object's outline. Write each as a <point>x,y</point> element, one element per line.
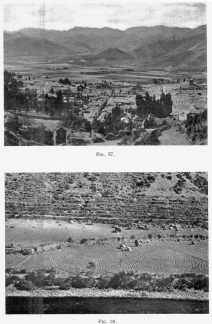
<point>182,283</point>
<point>49,279</point>
<point>66,285</point>
<point>70,240</point>
<point>91,266</point>
<point>201,283</point>
<point>83,282</point>
<point>23,271</point>
<point>59,282</point>
<point>120,280</point>
<point>103,282</point>
<point>83,241</point>
<point>23,284</point>
<point>38,279</point>
<point>8,270</point>
<point>11,280</point>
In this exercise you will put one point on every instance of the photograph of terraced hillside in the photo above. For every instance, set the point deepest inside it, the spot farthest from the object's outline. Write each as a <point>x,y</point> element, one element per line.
<point>100,243</point>
<point>105,73</point>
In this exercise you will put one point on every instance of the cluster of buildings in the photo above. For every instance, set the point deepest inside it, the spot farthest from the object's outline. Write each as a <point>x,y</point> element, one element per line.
<point>99,98</point>
<point>94,101</point>
<point>189,99</point>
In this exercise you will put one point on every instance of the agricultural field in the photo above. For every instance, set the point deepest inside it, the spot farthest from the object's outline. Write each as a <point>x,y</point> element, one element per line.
<point>23,232</point>
<point>77,72</point>
<point>159,257</point>
<point>42,231</point>
<point>115,73</point>
<point>169,254</point>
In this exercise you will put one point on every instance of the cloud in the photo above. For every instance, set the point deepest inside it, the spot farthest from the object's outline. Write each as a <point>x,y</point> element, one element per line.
<point>119,15</point>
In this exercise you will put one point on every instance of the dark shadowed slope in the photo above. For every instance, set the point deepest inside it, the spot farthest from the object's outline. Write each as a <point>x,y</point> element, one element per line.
<point>28,46</point>
<point>113,54</point>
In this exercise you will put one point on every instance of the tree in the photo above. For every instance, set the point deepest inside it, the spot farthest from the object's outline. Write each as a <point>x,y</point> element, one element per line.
<point>116,112</point>
<point>59,96</point>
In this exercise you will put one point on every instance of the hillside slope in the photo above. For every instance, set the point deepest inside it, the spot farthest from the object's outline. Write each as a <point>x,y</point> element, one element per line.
<point>108,196</point>
<point>113,54</point>
<point>27,46</point>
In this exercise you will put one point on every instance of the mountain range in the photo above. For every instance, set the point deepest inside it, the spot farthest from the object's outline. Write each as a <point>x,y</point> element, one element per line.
<point>168,46</point>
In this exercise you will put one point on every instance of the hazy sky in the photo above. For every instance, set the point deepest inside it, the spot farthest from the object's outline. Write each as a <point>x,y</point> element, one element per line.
<point>64,16</point>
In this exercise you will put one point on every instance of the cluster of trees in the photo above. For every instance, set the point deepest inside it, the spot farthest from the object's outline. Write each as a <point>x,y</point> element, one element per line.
<point>65,81</point>
<point>14,97</point>
<point>197,128</point>
<point>112,121</point>
<point>158,81</point>
<point>82,86</point>
<point>161,108</point>
<point>51,105</point>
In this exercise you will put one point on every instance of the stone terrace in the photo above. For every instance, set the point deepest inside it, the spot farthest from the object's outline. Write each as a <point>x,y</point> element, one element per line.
<point>116,198</point>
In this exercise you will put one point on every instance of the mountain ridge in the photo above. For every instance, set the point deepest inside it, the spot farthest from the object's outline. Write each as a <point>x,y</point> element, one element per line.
<point>138,43</point>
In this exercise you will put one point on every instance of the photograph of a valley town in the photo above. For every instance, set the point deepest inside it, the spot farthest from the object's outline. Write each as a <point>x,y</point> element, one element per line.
<point>105,73</point>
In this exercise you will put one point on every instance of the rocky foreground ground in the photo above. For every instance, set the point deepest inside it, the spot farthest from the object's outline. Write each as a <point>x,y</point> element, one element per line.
<point>89,292</point>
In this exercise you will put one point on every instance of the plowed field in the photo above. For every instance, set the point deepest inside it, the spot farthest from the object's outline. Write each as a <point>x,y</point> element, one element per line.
<point>160,257</point>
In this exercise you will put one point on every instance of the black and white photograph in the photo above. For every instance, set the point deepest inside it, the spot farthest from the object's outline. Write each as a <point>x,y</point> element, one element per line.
<point>115,228</point>
<point>107,243</point>
<point>105,73</point>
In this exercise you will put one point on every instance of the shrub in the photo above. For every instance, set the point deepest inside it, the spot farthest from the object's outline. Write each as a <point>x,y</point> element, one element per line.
<point>91,266</point>
<point>23,284</point>
<point>70,240</point>
<point>65,285</point>
<point>121,280</point>
<point>58,281</point>
<point>8,270</point>
<point>38,279</point>
<point>49,279</point>
<point>31,276</point>
<point>182,283</point>
<point>83,282</point>
<point>11,280</point>
<point>163,283</point>
<point>23,271</point>
<point>132,237</point>
<point>83,241</point>
<point>13,270</point>
<point>103,282</point>
<point>201,283</point>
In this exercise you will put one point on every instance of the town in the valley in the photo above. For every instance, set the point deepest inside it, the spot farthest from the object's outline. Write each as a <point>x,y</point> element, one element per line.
<point>75,105</point>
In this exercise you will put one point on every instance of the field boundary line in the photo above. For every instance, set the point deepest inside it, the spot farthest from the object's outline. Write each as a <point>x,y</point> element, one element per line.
<point>187,254</point>
<point>26,259</point>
